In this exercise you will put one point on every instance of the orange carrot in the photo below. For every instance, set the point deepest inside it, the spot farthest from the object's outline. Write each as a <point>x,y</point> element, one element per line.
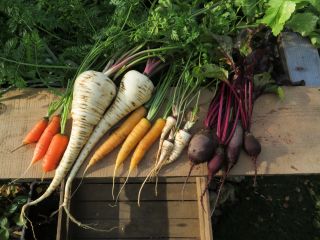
<point>147,141</point>
<point>118,136</point>
<point>35,133</point>
<point>45,139</point>
<point>55,151</point>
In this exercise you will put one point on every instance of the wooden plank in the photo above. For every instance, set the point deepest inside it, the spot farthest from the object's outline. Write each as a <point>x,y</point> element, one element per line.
<point>102,192</point>
<point>205,226</point>
<point>289,134</point>
<point>108,180</point>
<point>22,109</point>
<point>128,210</point>
<point>140,228</point>
<point>285,128</point>
<point>301,59</point>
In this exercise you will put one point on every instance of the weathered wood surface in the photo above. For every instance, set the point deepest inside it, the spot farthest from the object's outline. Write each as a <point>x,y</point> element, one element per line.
<point>288,130</point>
<point>301,59</point>
<point>163,217</point>
<point>204,209</point>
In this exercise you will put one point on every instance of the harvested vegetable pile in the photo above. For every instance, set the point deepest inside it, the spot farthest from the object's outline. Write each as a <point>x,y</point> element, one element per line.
<point>119,61</point>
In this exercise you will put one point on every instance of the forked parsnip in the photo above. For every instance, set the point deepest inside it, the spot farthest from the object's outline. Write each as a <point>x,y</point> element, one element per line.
<point>135,90</point>
<point>93,93</point>
<point>170,123</point>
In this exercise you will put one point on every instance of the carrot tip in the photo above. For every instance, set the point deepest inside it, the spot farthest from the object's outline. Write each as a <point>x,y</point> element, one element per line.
<point>17,148</point>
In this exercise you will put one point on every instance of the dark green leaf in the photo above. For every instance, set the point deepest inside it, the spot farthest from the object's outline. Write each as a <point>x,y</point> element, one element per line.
<point>12,208</point>
<point>4,234</point>
<point>21,199</point>
<point>316,4</point>
<point>248,6</point>
<point>304,23</point>
<point>225,42</point>
<point>4,222</point>
<point>210,71</point>
<point>262,79</point>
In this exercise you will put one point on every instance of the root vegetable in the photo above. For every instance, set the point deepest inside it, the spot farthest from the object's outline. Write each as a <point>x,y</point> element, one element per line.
<point>135,90</point>
<point>117,137</point>
<point>234,146</point>
<point>202,147</point>
<point>55,151</point>
<point>45,139</point>
<point>93,92</point>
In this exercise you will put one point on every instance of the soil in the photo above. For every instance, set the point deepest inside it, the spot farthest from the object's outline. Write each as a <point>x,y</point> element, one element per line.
<point>45,227</point>
<point>281,207</point>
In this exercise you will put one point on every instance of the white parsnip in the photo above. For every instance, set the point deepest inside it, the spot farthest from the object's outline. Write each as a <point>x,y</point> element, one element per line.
<point>93,93</point>
<point>135,90</point>
<point>181,140</point>
<point>166,150</point>
<point>170,123</point>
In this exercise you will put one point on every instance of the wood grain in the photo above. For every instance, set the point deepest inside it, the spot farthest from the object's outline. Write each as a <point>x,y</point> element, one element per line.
<point>166,192</point>
<point>288,130</point>
<point>205,227</point>
<point>163,217</point>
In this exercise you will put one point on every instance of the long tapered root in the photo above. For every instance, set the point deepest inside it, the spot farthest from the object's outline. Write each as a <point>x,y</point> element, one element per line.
<point>85,226</point>
<point>254,159</point>
<point>122,187</point>
<point>142,185</point>
<point>185,182</point>
<point>17,148</point>
<point>113,180</point>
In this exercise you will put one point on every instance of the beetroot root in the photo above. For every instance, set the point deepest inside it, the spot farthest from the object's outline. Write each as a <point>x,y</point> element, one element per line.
<point>202,146</point>
<point>234,146</point>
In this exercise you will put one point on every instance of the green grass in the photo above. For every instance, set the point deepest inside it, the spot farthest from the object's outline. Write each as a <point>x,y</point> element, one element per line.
<point>281,207</point>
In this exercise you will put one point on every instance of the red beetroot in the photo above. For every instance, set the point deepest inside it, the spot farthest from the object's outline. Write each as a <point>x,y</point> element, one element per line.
<point>202,147</point>
<point>234,146</point>
<point>214,166</point>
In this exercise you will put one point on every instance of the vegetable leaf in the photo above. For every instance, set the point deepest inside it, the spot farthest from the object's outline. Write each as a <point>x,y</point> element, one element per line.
<point>277,14</point>
<point>315,39</point>
<point>316,4</point>
<point>304,23</point>
<point>210,71</point>
<point>248,7</point>
<point>280,93</point>
<point>4,234</point>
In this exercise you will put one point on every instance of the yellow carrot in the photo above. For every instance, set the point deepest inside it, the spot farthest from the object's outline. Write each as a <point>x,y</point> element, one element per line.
<point>130,143</point>
<point>118,136</point>
<point>147,142</point>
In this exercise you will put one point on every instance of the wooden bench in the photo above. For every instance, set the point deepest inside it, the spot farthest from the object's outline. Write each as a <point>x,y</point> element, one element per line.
<point>288,131</point>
